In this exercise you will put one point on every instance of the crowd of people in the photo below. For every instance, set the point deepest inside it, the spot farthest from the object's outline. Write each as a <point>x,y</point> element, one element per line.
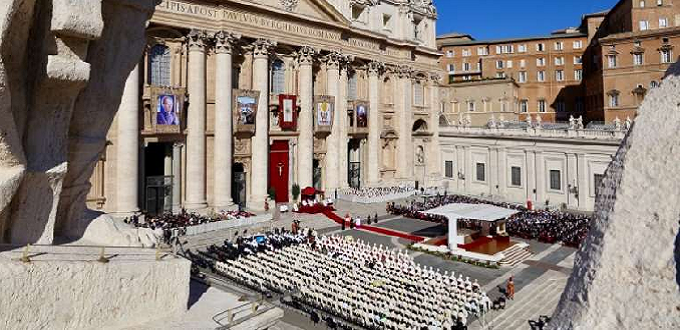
<point>550,227</point>
<point>543,225</point>
<point>371,192</point>
<point>176,224</point>
<point>366,285</point>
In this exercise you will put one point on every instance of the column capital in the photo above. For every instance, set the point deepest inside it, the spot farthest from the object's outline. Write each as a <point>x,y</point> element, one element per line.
<point>306,55</point>
<point>224,42</point>
<point>375,68</point>
<point>334,59</point>
<point>404,71</point>
<point>261,47</point>
<point>197,40</point>
<point>435,77</point>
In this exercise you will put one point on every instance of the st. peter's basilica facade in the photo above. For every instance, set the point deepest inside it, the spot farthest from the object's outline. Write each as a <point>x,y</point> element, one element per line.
<point>235,99</point>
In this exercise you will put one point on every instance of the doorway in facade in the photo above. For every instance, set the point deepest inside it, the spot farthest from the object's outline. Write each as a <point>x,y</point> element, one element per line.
<point>238,185</point>
<point>317,175</point>
<point>278,170</point>
<point>158,178</point>
<point>354,163</point>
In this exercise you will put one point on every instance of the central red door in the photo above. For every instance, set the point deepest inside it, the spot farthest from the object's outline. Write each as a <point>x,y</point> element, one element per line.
<point>278,170</point>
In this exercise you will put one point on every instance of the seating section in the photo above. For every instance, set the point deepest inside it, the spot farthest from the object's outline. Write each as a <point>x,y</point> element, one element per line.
<point>544,225</point>
<point>370,286</point>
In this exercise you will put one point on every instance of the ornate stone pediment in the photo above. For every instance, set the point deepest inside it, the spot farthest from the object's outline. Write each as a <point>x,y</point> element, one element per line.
<point>317,9</point>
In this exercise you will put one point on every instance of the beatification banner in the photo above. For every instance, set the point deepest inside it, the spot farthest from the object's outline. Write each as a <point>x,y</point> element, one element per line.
<point>288,112</point>
<point>167,104</point>
<point>245,106</point>
<point>361,113</point>
<point>324,110</point>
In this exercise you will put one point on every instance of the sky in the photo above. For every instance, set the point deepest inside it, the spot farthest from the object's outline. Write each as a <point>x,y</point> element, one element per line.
<point>497,19</point>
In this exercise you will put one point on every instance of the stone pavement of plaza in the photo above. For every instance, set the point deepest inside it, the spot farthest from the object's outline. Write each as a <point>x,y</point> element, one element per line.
<point>539,280</point>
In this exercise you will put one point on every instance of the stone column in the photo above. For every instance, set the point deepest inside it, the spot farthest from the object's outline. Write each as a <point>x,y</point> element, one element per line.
<point>404,103</point>
<point>305,120</point>
<point>583,190</point>
<point>333,142</point>
<point>127,148</point>
<point>374,120</point>
<point>196,197</point>
<point>435,164</point>
<point>177,177</point>
<point>223,122</point>
<point>343,138</point>
<point>260,141</point>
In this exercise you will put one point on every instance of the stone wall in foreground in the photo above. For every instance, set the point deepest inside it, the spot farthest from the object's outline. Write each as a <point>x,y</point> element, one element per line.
<point>627,273</point>
<point>63,65</point>
<point>66,288</point>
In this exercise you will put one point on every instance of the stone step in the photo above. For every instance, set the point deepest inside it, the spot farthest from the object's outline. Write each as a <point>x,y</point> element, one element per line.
<point>515,255</point>
<point>544,304</point>
<point>519,306</point>
<point>496,316</point>
<point>522,298</point>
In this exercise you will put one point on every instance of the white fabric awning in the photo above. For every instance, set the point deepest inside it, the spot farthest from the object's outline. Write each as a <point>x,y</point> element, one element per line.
<point>483,212</point>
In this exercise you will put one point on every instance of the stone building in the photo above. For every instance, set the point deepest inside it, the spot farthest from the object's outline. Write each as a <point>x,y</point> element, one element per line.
<point>546,69</point>
<point>556,167</point>
<point>630,52</point>
<point>600,70</point>
<point>234,99</point>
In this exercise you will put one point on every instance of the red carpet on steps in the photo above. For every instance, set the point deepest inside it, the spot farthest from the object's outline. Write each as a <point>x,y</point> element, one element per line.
<point>331,215</point>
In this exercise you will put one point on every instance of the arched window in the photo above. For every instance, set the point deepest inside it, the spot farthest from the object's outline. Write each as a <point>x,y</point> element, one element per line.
<point>388,91</point>
<point>278,77</point>
<point>159,65</point>
<point>352,86</point>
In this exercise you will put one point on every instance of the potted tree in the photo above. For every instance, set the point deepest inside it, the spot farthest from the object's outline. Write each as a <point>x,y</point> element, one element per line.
<point>296,192</point>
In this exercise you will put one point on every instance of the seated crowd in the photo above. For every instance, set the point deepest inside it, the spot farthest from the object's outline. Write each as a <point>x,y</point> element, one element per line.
<point>545,226</point>
<point>363,284</point>
<point>371,192</point>
<point>169,221</point>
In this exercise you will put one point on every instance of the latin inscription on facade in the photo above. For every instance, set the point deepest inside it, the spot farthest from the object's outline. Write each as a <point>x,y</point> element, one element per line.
<point>261,21</point>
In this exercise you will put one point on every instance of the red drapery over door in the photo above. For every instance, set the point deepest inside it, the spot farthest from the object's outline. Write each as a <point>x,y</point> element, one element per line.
<point>278,170</point>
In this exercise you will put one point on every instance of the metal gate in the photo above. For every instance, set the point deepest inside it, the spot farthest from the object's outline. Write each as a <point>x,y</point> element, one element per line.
<point>354,175</point>
<point>158,194</point>
<point>238,189</point>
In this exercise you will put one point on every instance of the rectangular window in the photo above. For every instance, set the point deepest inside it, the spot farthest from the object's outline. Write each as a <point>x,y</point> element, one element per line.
<point>644,25</point>
<point>540,47</point>
<point>499,64</point>
<point>522,48</point>
<point>642,3</point>
<point>448,169</point>
<point>450,53</point>
<point>560,106</point>
<point>540,61</point>
<point>659,2</point>
<point>559,75</point>
<point>578,59</point>
<point>578,44</point>
<point>597,181</point>
<point>637,59</point>
<point>479,66</point>
<point>559,60</point>
<point>614,100</point>
<point>522,77</point>
<point>466,52</point>
<point>541,105</point>
<point>666,56</point>
<point>508,64</point>
<point>522,63</point>
<point>466,66</point>
<point>500,74</point>
<point>559,45</point>
<point>578,75</point>
<point>471,106</point>
<point>418,91</point>
<point>516,176</point>
<point>555,180</point>
<point>499,50</point>
<point>540,76</point>
<point>611,61</point>
<point>663,23</point>
<point>482,51</point>
<point>524,106</point>
<point>481,176</point>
